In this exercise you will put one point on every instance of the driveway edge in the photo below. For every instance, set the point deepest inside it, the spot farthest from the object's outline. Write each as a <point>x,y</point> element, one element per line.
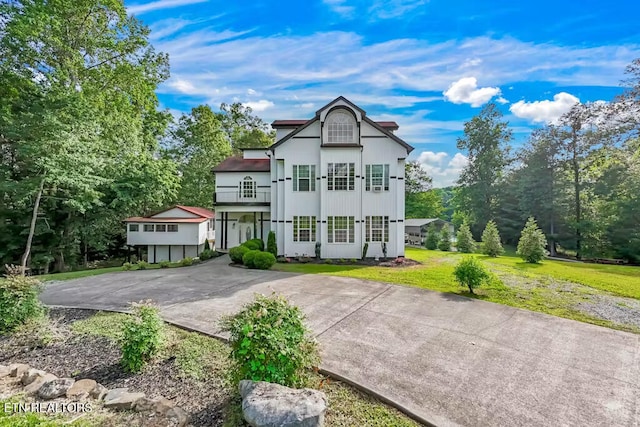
<point>329,373</point>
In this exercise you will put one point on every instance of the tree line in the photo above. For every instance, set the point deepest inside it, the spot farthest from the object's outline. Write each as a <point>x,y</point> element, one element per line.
<point>83,140</point>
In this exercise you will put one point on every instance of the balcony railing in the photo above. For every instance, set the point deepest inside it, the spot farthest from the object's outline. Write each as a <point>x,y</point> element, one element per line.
<point>238,198</point>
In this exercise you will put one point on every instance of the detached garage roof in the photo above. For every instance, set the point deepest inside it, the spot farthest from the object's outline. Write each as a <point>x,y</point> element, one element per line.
<point>419,222</point>
<point>202,215</point>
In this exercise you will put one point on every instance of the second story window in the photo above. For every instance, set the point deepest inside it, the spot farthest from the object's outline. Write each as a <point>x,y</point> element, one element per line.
<point>133,227</point>
<point>161,227</point>
<point>341,176</point>
<point>340,128</point>
<point>377,177</point>
<point>304,178</point>
<point>173,228</point>
<point>248,188</point>
<point>148,227</point>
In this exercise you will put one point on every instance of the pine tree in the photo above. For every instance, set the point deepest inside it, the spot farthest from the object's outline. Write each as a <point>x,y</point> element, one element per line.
<point>445,239</point>
<point>491,240</point>
<point>432,238</point>
<point>272,246</point>
<point>465,242</point>
<point>532,242</point>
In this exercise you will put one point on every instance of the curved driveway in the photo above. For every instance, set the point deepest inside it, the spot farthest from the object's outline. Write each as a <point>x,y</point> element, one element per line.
<point>447,359</point>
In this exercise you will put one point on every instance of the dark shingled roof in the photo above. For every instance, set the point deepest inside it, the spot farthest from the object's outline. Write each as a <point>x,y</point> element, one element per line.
<point>238,164</point>
<point>295,123</point>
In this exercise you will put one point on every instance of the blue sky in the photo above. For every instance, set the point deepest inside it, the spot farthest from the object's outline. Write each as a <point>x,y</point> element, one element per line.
<point>428,65</point>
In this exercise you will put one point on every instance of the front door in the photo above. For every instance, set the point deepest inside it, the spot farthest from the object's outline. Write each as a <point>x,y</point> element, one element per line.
<point>245,228</point>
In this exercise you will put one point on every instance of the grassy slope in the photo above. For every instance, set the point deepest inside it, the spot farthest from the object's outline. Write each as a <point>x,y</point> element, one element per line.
<point>531,286</point>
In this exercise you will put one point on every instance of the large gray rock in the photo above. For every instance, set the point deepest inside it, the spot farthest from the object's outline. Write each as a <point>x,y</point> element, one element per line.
<point>38,382</point>
<point>17,369</point>
<point>55,388</point>
<point>272,405</point>
<point>5,371</point>
<point>120,398</point>
<point>98,392</point>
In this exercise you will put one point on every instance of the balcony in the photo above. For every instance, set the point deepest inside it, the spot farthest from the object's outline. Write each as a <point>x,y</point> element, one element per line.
<point>261,198</point>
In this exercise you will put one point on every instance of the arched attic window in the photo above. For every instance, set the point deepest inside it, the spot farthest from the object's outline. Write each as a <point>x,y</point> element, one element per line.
<point>248,188</point>
<point>341,127</point>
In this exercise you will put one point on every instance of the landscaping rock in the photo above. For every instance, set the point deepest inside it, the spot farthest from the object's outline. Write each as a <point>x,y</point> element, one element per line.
<point>38,382</point>
<point>31,375</point>
<point>81,389</point>
<point>55,388</point>
<point>98,392</point>
<point>17,369</point>
<point>120,398</point>
<point>5,371</point>
<point>177,417</point>
<point>160,405</point>
<point>168,415</point>
<point>272,405</point>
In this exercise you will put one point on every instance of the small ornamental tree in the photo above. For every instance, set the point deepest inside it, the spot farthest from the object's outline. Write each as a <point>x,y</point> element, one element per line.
<point>471,273</point>
<point>206,245</point>
<point>270,342</point>
<point>491,240</point>
<point>532,242</point>
<point>432,238</point>
<point>445,239</point>
<point>272,246</point>
<point>464,239</point>
<point>142,336</point>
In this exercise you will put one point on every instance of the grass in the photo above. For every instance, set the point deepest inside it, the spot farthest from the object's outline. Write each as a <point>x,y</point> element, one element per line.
<point>207,359</point>
<point>536,287</point>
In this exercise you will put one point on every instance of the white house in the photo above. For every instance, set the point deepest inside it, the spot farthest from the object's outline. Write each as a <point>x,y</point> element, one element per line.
<point>336,179</point>
<point>416,229</point>
<point>173,234</point>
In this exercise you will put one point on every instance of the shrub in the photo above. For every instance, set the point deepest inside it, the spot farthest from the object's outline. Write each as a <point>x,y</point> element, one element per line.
<point>206,245</point>
<point>252,245</point>
<point>165,264</point>
<point>471,273</point>
<point>270,342</point>
<point>249,257</point>
<point>142,336</point>
<point>342,260</point>
<point>491,240</point>
<point>444,244</point>
<point>432,238</point>
<point>532,242</point>
<point>354,261</point>
<point>464,239</point>
<point>365,249</point>
<point>18,301</point>
<point>142,265</point>
<point>205,254</point>
<point>263,260</point>
<point>127,266</point>
<point>237,253</point>
<point>272,246</point>
<point>259,242</point>
<point>185,262</point>
<point>328,261</point>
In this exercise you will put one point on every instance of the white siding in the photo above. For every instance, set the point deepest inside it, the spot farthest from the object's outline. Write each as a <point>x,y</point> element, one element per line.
<point>255,154</point>
<point>175,213</point>
<point>236,232</point>
<point>187,234</point>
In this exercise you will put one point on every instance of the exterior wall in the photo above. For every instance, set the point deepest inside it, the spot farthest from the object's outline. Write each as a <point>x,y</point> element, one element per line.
<point>281,133</point>
<point>175,213</point>
<point>173,253</point>
<point>255,154</point>
<point>187,234</point>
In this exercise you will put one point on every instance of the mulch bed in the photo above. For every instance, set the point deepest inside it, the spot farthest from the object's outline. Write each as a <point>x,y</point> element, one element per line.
<point>98,358</point>
<point>369,262</point>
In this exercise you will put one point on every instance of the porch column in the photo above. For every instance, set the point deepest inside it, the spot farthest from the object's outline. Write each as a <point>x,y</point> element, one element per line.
<point>261,225</point>
<point>255,232</point>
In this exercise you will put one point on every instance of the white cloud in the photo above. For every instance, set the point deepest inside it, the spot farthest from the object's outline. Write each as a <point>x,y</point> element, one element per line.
<point>183,86</point>
<point>502,100</point>
<point>251,92</point>
<point>466,91</point>
<point>441,167</point>
<point>258,106</point>
<point>139,9</point>
<point>340,7</point>
<point>380,9</point>
<point>545,111</point>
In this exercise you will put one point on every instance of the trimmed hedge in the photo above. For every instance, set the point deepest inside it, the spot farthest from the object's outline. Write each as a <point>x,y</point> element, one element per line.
<point>263,260</point>
<point>257,243</point>
<point>249,258</point>
<point>237,253</point>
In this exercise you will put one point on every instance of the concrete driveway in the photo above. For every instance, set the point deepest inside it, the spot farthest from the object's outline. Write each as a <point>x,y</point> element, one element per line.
<point>449,360</point>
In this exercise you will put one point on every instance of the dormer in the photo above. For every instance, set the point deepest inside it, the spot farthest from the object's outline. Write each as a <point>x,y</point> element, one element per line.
<point>340,123</point>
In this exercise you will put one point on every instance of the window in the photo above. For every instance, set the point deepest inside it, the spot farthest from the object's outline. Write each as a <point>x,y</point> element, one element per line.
<point>248,188</point>
<point>304,228</point>
<point>210,224</point>
<point>377,177</point>
<point>341,229</point>
<point>341,176</point>
<point>340,128</point>
<point>304,178</point>
<point>133,227</point>
<point>377,229</point>
<point>161,227</point>
<point>172,228</point>
<point>148,227</point>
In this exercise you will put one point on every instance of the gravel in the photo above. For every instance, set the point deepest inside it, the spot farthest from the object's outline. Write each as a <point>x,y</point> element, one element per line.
<point>624,311</point>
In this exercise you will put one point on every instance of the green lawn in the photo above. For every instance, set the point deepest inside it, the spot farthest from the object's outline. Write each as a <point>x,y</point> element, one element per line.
<point>515,283</point>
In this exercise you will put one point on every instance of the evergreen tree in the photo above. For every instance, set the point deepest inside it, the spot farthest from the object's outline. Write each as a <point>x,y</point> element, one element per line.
<point>432,238</point>
<point>491,240</point>
<point>272,246</point>
<point>465,242</point>
<point>532,242</point>
<point>445,239</point>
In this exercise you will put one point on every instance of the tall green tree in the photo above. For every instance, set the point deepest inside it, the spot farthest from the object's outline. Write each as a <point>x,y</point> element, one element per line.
<point>200,143</point>
<point>421,201</point>
<point>486,140</point>
<point>243,128</point>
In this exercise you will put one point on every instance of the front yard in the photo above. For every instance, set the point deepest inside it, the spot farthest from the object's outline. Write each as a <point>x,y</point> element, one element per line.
<point>606,295</point>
